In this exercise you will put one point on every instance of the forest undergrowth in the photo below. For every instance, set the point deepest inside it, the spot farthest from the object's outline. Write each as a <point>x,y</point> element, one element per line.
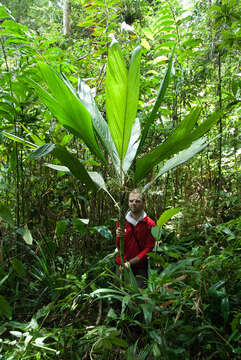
<point>57,307</point>
<point>59,295</point>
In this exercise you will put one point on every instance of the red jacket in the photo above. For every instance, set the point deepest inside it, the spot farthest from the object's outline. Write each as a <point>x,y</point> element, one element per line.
<point>143,234</point>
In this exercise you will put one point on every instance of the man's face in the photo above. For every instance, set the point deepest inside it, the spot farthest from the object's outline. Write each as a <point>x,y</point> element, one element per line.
<point>136,204</point>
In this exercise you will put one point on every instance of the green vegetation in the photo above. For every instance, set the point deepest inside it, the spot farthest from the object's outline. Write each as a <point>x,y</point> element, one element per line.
<point>134,93</point>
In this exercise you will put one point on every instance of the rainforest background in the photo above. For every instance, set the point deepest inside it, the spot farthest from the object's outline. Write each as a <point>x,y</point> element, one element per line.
<point>59,296</point>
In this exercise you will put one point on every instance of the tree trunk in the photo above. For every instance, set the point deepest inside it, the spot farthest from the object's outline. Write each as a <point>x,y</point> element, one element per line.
<point>67,17</point>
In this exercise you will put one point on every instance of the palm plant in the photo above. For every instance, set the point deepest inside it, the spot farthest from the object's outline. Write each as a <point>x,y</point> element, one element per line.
<point>122,138</point>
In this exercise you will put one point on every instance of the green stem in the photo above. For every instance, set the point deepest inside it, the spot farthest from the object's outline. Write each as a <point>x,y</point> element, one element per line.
<point>122,224</point>
<point>15,133</point>
<point>220,125</point>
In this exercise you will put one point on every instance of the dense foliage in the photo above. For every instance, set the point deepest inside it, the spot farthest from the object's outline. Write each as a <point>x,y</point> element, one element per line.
<point>59,295</point>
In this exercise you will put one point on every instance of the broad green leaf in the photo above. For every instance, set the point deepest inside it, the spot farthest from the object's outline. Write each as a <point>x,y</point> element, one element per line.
<point>124,303</point>
<point>156,351</point>
<point>100,125</point>
<point>129,277</point>
<point>225,308</point>
<point>9,98</point>
<point>99,181</point>
<point>80,225</point>
<point>147,311</point>
<point>104,344</point>
<point>172,269</point>
<point>63,102</point>
<point>180,158</point>
<point>12,28</point>
<point>69,162</point>
<point>18,325</point>
<point>66,139</point>
<point>58,167</point>
<point>217,289</point>
<point>6,215</point>
<point>159,99</point>
<point>167,44</point>
<point>18,267</point>
<point>19,40</point>
<point>6,115</point>
<point>61,227</point>
<point>94,179</point>
<point>105,291</point>
<point>133,145</point>
<point>176,142</point>
<point>215,8</point>
<point>167,215</point>
<point>119,342</point>
<point>148,33</point>
<point>9,109</point>
<point>20,140</point>
<point>206,125</point>
<point>34,137</point>
<point>112,314</point>
<point>27,236</point>
<point>20,90</point>
<point>145,44</point>
<point>42,151</point>
<point>103,231</point>
<point>156,232</point>
<point>180,139</point>
<point>122,94</point>
<point>5,13</point>
<point>38,344</point>
<point>5,308</point>
<point>75,166</point>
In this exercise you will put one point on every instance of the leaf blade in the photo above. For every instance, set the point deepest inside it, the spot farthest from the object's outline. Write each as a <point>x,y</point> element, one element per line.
<point>63,102</point>
<point>100,125</point>
<point>167,215</point>
<point>181,139</point>
<point>133,145</point>
<point>178,159</point>
<point>5,308</point>
<point>161,93</point>
<point>122,93</point>
<point>6,215</point>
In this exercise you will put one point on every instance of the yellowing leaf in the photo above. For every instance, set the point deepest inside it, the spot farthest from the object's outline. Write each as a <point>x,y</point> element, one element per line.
<point>27,236</point>
<point>148,33</point>
<point>145,44</point>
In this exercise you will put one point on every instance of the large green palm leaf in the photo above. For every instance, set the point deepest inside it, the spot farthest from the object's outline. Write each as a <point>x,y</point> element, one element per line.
<point>122,95</point>
<point>180,158</point>
<point>160,96</point>
<point>99,123</point>
<point>181,139</point>
<point>62,101</point>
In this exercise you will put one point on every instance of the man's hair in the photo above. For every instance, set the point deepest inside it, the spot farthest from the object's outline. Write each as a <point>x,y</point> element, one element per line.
<point>138,192</point>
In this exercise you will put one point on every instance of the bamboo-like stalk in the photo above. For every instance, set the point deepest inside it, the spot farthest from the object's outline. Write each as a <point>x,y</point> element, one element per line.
<point>16,145</point>
<point>220,124</point>
<point>122,223</point>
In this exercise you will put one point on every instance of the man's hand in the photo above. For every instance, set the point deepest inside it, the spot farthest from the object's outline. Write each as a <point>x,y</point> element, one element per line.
<point>119,232</point>
<point>127,266</point>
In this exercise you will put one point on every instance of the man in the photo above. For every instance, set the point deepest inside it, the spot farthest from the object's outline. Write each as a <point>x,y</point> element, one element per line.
<point>138,240</point>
